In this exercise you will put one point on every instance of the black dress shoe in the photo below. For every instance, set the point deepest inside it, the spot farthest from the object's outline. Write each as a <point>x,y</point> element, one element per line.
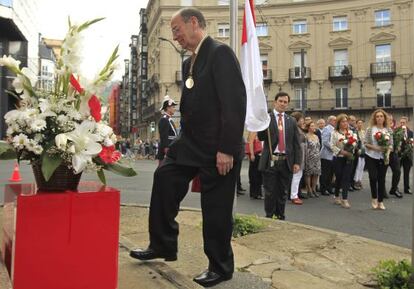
<point>210,278</point>
<point>302,196</point>
<point>396,193</point>
<point>408,192</point>
<point>325,193</point>
<point>241,189</point>
<point>149,254</point>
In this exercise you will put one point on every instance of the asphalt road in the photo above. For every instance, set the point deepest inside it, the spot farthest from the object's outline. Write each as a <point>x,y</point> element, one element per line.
<point>392,225</point>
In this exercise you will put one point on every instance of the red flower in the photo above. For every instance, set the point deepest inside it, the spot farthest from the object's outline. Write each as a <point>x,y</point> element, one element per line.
<point>109,155</point>
<point>95,106</point>
<point>378,135</point>
<point>351,140</point>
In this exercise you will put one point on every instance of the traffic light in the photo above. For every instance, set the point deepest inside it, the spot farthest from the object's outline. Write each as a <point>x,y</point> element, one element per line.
<point>152,126</point>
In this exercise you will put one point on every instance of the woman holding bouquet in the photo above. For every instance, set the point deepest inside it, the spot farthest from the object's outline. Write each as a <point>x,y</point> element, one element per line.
<point>343,143</point>
<point>378,143</point>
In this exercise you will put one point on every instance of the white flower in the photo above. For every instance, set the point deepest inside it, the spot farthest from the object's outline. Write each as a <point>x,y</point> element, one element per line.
<point>38,125</point>
<point>387,137</point>
<point>38,150</point>
<point>61,140</point>
<point>20,141</point>
<point>9,61</point>
<point>20,80</point>
<point>85,143</point>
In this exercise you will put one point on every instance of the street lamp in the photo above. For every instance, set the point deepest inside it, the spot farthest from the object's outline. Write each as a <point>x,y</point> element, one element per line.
<point>182,52</point>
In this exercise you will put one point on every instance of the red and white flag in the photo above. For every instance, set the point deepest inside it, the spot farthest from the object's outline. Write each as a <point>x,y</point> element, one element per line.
<point>257,118</point>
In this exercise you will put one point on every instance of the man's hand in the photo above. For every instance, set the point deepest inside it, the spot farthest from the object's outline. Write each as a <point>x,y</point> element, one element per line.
<point>224,163</point>
<point>252,158</point>
<point>296,168</point>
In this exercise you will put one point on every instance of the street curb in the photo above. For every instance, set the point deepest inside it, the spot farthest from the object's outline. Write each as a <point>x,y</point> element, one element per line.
<point>5,282</point>
<point>171,275</point>
<point>308,227</point>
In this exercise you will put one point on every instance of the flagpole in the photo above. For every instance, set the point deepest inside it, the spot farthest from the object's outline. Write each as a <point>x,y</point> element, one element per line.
<point>233,25</point>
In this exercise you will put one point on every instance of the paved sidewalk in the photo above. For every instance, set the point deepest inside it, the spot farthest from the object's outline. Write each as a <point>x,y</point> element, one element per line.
<point>283,256</point>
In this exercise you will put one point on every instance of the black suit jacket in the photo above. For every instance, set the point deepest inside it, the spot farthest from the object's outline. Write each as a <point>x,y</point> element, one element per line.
<point>293,150</point>
<point>167,133</point>
<point>213,110</point>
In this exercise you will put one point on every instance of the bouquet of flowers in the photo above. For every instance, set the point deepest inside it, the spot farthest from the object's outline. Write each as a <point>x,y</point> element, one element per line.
<point>408,148</point>
<point>398,138</point>
<point>63,126</point>
<point>383,140</point>
<point>350,142</point>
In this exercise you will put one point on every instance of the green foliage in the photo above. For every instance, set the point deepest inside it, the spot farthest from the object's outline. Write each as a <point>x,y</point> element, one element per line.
<point>49,164</point>
<point>245,225</point>
<point>7,152</point>
<point>393,275</point>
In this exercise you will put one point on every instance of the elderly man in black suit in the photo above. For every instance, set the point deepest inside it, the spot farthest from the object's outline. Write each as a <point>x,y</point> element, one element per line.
<point>213,109</point>
<point>281,158</point>
<point>166,127</point>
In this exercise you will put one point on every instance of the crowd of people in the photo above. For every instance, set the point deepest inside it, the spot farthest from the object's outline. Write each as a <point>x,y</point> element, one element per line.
<point>334,155</point>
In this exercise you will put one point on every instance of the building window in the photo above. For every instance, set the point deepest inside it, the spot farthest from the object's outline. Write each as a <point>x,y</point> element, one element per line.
<point>186,2</point>
<point>383,53</point>
<point>340,23</point>
<point>383,93</point>
<point>383,58</point>
<point>341,96</point>
<point>265,63</point>
<point>382,17</point>
<point>297,63</point>
<point>298,98</point>
<point>340,61</point>
<point>223,2</point>
<point>261,29</point>
<point>223,30</point>
<point>300,27</point>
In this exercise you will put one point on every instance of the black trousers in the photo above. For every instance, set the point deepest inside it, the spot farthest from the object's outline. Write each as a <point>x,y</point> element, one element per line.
<point>276,182</point>
<point>406,163</point>
<point>396,171</point>
<point>237,168</point>
<point>217,194</point>
<point>377,172</point>
<point>343,172</point>
<point>327,172</point>
<point>255,178</point>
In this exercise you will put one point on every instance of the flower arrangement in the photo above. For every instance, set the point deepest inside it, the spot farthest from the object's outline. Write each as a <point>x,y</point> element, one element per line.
<point>407,152</point>
<point>63,126</point>
<point>398,138</point>
<point>383,140</point>
<point>350,141</point>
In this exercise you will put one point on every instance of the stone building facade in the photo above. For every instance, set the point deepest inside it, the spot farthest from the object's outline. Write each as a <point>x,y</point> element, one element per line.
<point>358,54</point>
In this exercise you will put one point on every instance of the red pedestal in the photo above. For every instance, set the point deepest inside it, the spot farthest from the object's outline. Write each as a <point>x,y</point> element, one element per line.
<point>61,240</point>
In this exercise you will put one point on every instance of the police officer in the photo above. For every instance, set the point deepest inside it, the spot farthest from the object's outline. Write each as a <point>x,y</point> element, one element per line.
<point>166,127</point>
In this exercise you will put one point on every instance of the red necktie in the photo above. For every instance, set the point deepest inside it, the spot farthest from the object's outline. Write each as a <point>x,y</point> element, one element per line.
<point>281,144</point>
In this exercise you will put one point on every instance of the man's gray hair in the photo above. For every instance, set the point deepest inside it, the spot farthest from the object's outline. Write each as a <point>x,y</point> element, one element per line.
<point>187,13</point>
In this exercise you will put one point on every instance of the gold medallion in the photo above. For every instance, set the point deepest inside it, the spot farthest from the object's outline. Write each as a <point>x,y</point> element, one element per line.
<point>189,83</point>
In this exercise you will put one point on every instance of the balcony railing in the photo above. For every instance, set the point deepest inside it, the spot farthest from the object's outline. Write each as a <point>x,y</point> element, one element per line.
<point>178,77</point>
<point>340,73</point>
<point>295,74</point>
<point>267,75</point>
<point>353,103</point>
<point>383,69</point>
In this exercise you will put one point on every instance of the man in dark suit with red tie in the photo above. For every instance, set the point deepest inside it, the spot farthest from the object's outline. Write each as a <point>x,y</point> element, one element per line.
<point>166,127</point>
<point>281,158</point>
<point>213,110</point>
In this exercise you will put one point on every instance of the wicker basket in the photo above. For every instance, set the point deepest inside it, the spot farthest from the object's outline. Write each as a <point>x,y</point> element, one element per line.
<point>63,179</point>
